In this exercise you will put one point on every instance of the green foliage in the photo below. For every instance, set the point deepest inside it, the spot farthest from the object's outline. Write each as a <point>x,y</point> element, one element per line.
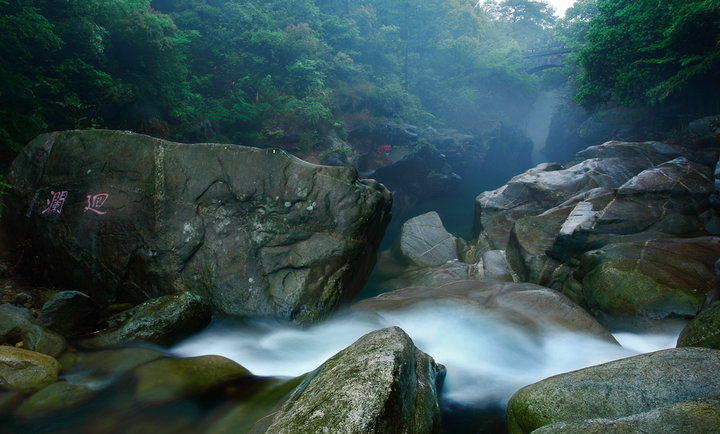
<point>261,72</point>
<point>645,52</point>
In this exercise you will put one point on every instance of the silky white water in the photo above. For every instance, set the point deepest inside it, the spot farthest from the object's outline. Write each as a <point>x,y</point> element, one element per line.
<point>487,359</point>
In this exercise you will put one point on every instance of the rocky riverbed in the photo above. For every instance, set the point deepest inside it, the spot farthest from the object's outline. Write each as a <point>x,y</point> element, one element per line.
<point>128,244</point>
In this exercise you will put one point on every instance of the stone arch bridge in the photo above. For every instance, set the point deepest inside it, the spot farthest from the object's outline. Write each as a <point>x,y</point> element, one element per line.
<point>547,57</point>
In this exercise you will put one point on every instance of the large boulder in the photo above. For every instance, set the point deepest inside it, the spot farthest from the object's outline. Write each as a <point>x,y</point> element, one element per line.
<point>698,415</point>
<point>545,187</point>
<point>425,242</point>
<point>126,217</point>
<point>518,303</point>
<point>655,279</point>
<point>616,390</point>
<point>381,383</point>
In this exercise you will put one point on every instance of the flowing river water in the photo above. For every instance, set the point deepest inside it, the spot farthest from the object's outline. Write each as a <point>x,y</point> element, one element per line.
<point>487,360</point>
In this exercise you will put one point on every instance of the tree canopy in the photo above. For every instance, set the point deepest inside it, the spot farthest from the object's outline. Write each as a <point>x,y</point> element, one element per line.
<point>652,52</point>
<point>259,72</point>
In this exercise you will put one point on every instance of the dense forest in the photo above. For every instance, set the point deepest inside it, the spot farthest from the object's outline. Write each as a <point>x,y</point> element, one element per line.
<point>293,72</point>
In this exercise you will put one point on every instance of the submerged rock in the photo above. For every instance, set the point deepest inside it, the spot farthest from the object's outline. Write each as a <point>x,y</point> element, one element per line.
<point>170,379</point>
<point>124,217</point>
<point>381,383</point>
<point>57,396</point>
<point>627,392</point>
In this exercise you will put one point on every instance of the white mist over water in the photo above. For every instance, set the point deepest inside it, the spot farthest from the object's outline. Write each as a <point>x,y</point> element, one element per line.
<point>487,359</point>
<point>537,126</point>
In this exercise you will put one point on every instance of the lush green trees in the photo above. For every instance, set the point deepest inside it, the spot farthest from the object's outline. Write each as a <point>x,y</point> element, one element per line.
<point>260,72</point>
<point>650,52</point>
<point>528,21</point>
<point>85,63</point>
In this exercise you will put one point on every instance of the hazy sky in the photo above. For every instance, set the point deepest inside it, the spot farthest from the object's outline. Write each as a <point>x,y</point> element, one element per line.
<point>560,6</point>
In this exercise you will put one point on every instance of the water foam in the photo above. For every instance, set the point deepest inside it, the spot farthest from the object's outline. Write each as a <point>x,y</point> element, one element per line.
<point>487,359</point>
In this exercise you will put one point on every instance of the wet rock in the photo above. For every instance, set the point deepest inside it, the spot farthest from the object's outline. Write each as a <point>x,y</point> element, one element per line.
<point>678,177</point>
<point>25,370</point>
<point>715,196</point>
<point>9,400</point>
<point>70,313</point>
<point>384,133</point>
<point>432,276</point>
<point>654,279</point>
<point>494,266</point>
<point>654,152</point>
<point>518,303</point>
<point>703,330</point>
<point>163,320</point>
<point>619,389</point>
<point>463,151</point>
<point>425,242</point>
<point>530,240</point>
<point>544,187</point>
<point>134,217</point>
<point>170,379</point>
<point>54,397</point>
<point>381,383</point>
<point>698,416</point>
<point>17,325</point>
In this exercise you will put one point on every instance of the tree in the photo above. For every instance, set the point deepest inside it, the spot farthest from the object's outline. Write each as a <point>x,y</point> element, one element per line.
<point>650,52</point>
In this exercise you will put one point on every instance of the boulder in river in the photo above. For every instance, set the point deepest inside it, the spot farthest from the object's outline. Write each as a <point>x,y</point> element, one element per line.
<point>544,187</point>
<point>624,388</point>
<point>655,279</point>
<point>528,305</point>
<point>26,370</point>
<point>425,242</point>
<point>697,415</point>
<point>703,330</point>
<point>124,217</point>
<point>162,320</point>
<point>381,383</point>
